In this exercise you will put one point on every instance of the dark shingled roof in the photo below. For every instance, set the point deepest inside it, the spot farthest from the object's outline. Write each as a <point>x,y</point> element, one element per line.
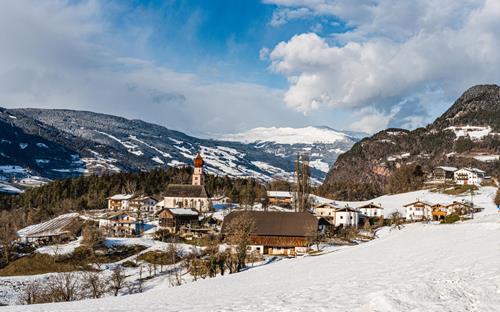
<point>186,190</point>
<point>274,223</point>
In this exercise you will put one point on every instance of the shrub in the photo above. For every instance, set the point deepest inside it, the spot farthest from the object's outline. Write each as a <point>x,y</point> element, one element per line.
<point>451,219</point>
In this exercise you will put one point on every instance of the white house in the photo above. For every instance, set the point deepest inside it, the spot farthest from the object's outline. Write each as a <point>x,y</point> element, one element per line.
<point>120,201</point>
<point>145,204</point>
<point>346,216</point>
<point>371,210</point>
<point>326,211</point>
<point>469,176</point>
<point>418,210</point>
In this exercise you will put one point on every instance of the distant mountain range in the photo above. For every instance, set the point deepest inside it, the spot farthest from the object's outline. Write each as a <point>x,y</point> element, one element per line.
<point>467,134</point>
<point>64,143</point>
<point>323,144</point>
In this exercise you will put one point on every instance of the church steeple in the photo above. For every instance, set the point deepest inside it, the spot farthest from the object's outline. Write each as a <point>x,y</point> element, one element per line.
<point>198,177</point>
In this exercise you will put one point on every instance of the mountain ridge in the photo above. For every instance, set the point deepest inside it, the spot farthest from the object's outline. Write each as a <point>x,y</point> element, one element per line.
<point>467,134</point>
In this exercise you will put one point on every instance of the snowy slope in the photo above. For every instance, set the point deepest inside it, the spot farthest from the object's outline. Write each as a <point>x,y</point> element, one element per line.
<point>482,198</point>
<point>423,267</point>
<point>323,144</point>
<point>288,135</point>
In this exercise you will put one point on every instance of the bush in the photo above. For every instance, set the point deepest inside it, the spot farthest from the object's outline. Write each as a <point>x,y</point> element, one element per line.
<point>129,264</point>
<point>451,219</point>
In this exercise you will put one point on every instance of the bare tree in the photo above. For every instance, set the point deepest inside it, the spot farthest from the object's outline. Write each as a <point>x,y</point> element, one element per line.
<point>64,286</point>
<point>7,235</point>
<point>94,284</point>
<point>117,280</point>
<point>396,221</point>
<point>302,183</point>
<point>32,293</point>
<point>238,233</point>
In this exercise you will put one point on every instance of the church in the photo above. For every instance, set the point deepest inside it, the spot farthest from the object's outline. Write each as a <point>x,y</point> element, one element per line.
<point>193,196</point>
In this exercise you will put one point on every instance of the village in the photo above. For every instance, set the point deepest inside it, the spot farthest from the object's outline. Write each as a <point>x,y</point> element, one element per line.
<point>187,233</point>
<point>189,213</point>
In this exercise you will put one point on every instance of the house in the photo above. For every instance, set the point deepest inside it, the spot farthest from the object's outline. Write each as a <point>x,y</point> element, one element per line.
<point>119,201</point>
<point>463,207</point>
<point>443,174</point>
<point>122,224</point>
<point>193,196</point>
<point>440,211</point>
<point>326,211</point>
<point>144,204</point>
<point>346,217</point>
<point>175,219</point>
<point>278,233</point>
<point>469,176</point>
<point>418,210</point>
<point>60,229</point>
<point>280,198</point>
<point>371,210</point>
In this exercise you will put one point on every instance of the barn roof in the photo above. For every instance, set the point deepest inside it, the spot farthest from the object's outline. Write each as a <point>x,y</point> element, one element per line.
<point>276,223</point>
<point>371,205</point>
<point>52,227</point>
<point>186,190</point>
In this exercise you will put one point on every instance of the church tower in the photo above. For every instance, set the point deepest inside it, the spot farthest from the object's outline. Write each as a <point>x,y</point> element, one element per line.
<point>198,177</point>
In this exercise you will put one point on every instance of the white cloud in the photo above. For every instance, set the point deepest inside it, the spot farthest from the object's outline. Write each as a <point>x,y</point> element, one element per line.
<point>396,51</point>
<point>60,54</point>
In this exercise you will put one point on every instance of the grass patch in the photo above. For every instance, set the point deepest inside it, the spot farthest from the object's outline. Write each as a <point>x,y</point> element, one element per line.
<point>36,264</point>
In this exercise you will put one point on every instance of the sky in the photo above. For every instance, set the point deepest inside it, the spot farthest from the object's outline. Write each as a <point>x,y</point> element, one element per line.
<point>214,67</point>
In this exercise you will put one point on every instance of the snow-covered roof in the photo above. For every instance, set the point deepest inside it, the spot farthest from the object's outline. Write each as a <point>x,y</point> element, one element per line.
<point>419,202</point>
<point>476,170</point>
<point>50,228</point>
<point>445,168</point>
<point>122,197</point>
<point>283,194</point>
<point>183,211</point>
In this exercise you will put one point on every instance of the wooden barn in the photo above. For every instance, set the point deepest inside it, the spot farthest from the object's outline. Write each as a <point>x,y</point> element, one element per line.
<point>278,233</point>
<point>174,219</point>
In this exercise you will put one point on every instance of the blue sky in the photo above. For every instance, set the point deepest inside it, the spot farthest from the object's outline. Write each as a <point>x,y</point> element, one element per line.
<point>222,66</point>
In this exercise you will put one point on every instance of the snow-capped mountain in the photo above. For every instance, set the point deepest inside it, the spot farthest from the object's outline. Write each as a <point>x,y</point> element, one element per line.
<point>63,143</point>
<point>323,144</point>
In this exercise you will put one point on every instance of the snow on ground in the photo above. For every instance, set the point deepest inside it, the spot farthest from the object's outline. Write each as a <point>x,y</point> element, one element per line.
<point>61,249</point>
<point>482,198</point>
<point>423,267</point>
<point>473,132</point>
<point>287,135</point>
<point>487,158</point>
<point>7,188</point>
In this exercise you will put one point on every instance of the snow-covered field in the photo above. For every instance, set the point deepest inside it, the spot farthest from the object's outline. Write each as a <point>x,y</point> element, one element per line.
<point>423,267</point>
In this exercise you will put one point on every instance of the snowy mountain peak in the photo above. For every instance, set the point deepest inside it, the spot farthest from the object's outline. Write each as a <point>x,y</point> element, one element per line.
<point>289,135</point>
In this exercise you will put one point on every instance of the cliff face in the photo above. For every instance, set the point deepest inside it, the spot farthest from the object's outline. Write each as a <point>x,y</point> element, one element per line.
<point>467,134</point>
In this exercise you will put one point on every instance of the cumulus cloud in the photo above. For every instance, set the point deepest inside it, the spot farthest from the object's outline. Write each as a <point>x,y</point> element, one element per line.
<point>396,52</point>
<point>65,54</point>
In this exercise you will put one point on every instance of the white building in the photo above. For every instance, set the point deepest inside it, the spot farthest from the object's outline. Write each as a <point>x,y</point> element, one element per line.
<point>326,211</point>
<point>193,195</point>
<point>346,217</point>
<point>120,201</point>
<point>418,210</point>
<point>144,204</point>
<point>469,176</point>
<point>371,210</point>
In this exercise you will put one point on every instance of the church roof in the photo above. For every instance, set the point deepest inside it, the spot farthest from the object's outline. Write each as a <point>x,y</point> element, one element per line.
<point>186,190</point>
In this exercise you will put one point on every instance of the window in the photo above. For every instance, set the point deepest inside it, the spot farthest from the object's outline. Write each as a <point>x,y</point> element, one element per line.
<point>341,217</point>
